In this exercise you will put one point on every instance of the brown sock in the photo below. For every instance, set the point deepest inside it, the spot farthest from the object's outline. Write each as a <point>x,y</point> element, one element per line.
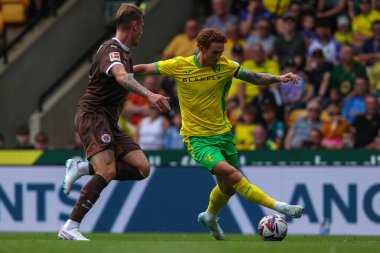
<point>88,196</point>
<point>91,170</point>
<point>124,172</point>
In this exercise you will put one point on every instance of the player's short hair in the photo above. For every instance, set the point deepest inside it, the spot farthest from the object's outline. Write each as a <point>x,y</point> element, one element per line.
<point>126,14</point>
<point>209,35</point>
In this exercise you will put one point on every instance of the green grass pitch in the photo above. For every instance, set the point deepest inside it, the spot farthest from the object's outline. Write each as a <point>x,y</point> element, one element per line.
<point>184,243</point>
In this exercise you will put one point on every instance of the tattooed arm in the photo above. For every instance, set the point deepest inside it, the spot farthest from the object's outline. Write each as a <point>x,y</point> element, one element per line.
<point>129,83</point>
<point>264,79</point>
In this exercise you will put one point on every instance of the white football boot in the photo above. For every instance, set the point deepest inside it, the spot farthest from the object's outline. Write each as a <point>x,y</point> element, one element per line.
<point>72,175</point>
<point>294,211</point>
<point>213,225</point>
<point>71,234</point>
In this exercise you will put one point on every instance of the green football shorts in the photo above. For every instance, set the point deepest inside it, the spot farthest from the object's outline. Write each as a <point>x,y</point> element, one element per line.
<point>209,150</point>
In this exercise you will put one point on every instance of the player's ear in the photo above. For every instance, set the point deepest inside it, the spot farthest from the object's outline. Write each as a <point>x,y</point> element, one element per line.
<point>135,24</point>
<point>202,49</point>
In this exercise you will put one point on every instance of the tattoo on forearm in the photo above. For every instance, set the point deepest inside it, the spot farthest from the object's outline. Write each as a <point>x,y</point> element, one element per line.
<point>132,85</point>
<point>258,78</point>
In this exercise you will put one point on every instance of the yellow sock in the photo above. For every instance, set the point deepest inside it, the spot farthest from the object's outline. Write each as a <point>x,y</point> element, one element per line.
<point>254,193</point>
<point>217,201</point>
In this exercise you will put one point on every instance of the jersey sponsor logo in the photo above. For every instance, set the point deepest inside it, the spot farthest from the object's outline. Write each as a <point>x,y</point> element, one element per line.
<point>106,138</point>
<point>201,79</point>
<point>114,56</point>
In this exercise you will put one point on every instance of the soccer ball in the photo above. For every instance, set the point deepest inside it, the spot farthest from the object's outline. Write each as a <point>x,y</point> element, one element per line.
<point>273,228</point>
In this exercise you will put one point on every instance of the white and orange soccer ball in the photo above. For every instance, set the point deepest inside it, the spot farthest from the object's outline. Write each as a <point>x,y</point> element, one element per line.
<point>273,228</point>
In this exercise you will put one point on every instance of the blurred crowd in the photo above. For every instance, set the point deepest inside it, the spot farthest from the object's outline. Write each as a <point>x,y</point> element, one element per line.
<point>334,46</point>
<point>17,15</point>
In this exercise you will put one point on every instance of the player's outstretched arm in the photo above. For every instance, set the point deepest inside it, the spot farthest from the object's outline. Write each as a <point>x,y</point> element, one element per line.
<point>145,69</point>
<point>263,79</point>
<point>129,83</point>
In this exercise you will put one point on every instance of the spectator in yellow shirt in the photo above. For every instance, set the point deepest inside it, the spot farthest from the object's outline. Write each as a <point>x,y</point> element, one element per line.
<point>257,63</point>
<point>233,108</point>
<point>361,25</point>
<point>237,54</point>
<point>343,34</point>
<point>233,38</point>
<point>374,78</point>
<point>260,140</point>
<point>183,44</point>
<point>370,50</point>
<point>244,128</point>
<point>276,7</point>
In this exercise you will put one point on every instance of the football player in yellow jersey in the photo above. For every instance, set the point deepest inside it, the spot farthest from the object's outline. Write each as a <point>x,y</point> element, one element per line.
<point>203,81</point>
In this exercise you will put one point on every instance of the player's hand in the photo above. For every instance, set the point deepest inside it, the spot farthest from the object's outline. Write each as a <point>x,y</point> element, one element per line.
<point>290,77</point>
<point>160,102</point>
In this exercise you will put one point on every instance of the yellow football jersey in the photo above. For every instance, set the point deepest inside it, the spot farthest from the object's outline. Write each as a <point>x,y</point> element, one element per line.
<point>202,93</point>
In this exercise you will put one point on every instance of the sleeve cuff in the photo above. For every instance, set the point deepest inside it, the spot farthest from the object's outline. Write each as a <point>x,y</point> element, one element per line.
<point>109,68</point>
<point>157,68</point>
<point>240,70</point>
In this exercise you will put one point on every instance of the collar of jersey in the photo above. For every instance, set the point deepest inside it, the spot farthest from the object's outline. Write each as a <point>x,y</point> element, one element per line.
<point>121,44</point>
<point>196,62</point>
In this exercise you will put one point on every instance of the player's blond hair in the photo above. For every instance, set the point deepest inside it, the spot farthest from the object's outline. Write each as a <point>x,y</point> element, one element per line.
<point>209,35</point>
<point>126,14</point>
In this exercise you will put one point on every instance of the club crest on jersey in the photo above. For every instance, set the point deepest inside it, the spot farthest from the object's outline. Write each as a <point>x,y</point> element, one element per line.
<point>217,68</point>
<point>114,56</point>
<point>106,138</point>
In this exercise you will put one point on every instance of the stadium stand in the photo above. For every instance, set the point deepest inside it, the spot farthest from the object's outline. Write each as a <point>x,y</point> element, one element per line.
<point>14,11</point>
<point>2,23</point>
<point>311,37</point>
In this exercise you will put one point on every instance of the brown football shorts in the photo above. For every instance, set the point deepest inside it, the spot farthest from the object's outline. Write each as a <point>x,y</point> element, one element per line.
<point>98,133</point>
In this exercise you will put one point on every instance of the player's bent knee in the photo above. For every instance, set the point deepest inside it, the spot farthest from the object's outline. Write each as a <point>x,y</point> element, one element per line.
<point>108,174</point>
<point>226,189</point>
<point>229,174</point>
<point>234,178</point>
